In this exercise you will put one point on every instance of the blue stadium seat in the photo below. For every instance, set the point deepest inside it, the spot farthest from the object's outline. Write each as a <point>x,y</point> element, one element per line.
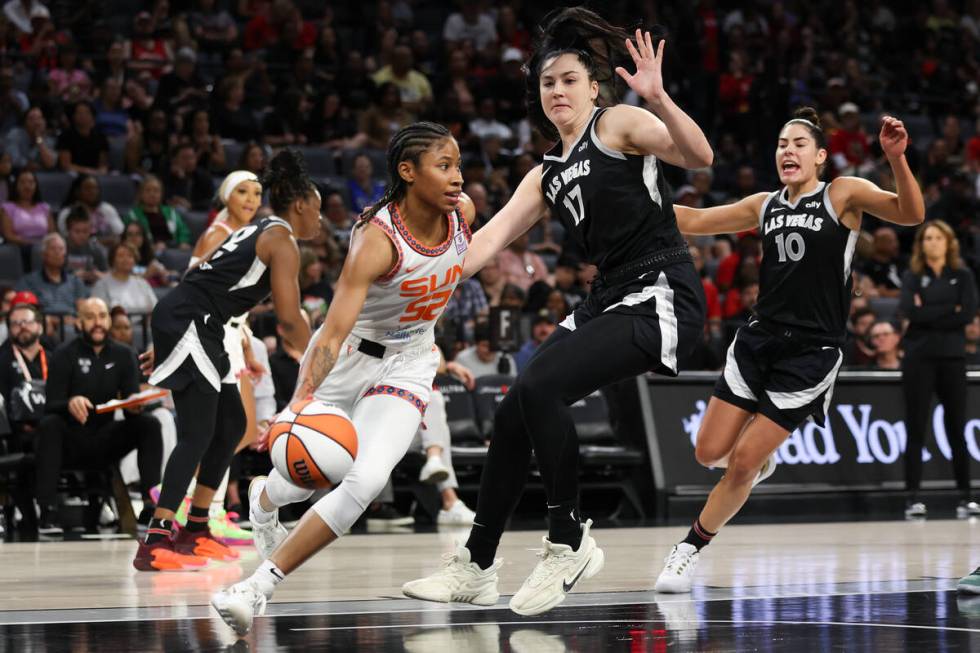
<point>119,191</point>
<point>319,160</point>
<point>175,259</point>
<point>233,152</point>
<point>11,264</point>
<point>117,152</point>
<point>54,187</point>
<point>197,222</point>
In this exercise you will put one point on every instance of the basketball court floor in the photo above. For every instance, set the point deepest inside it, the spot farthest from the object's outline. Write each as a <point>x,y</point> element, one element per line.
<point>869,586</point>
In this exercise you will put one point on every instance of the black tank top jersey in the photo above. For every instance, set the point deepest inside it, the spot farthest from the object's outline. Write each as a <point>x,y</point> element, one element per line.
<point>617,206</point>
<point>805,275</point>
<point>234,279</point>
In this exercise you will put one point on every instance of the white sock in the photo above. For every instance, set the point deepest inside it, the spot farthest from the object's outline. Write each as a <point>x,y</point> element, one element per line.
<point>259,514</point>
<point>268,575</point>
<point>218,501</point>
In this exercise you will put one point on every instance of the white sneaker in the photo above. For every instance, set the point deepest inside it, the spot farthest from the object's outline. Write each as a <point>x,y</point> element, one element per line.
<point>457,515</point>
<point>241,603</point>
<point>269,535</point>
<point>768,468</point>
<point>477,638</point>
<point>557,573</point>
<point>458,580</point>
<point>434,471</point>
<point>527,640</point>
<point>967,509</point>
<point>916,510</point>
<point>678,570</point>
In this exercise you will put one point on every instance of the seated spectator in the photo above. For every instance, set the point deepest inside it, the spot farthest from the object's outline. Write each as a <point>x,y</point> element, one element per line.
<point>182,89</point>
<point>542,327</point>
<point>111,117</point>
<point>858,351</point>
<point>849,146</point>
<point>90,370</point>
<point>513,297</point>
<point>212,27</point>
<point>148,144</point>
<point>337,214</point>
<point>566,280</point>
<point>487,125</point>
<point>315,291</point>
<point>333,124</point>
<point>146,53</point>
<point>972,332</point>
<point>86,192</point>
<point>467,306</point>
<point>86,256</point>
<point>885,341</point>
<point>24,218</point>
<point>207,145</point>
<point>492,280</point>
<point>287,124</point>
<point>68,81</point>
<point>20,13</point>
<point>121,329</point>
<point>415,89</point>
<point>233,119</point>
<point>80,147</point>
<point>147,265</point>
<point>556,305</point>
<point>713,315</point>
<point>123,288</point>
<point>58,292</point>
<point>469,24</point>
<point>24,368</point>
<point>886,265</point>
<point>384,117</point>
<point>749,295</point>
<point>364,189</point>
<point>7,295</point>
<point>31,146</point>
<point>483,361</point>
<point>164,224</point>
<point>186,185</point>
<point>520,266</point>
<point>252,158</point>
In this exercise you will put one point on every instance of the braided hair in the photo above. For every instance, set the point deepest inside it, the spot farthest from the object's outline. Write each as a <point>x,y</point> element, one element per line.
<point>599,46</point>
<point>287,180</point>
<point>406,145</point>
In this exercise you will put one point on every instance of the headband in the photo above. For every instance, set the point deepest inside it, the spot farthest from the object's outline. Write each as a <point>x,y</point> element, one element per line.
<point>232,181</point>
<point>804,121</point>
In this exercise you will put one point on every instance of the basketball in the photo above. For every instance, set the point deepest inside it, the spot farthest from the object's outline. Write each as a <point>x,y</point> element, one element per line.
<point>313,444</point>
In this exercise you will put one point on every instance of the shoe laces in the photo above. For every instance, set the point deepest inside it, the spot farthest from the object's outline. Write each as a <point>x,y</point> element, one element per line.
<point>250,593</point>
<point>550,562</point>
<point>678,560</point>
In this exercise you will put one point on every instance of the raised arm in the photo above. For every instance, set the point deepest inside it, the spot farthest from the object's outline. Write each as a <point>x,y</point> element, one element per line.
<point>526,206</point>
<point>725,219</point>
<point>371,256</point>
<point>673,137</point>
<point>280,253</point>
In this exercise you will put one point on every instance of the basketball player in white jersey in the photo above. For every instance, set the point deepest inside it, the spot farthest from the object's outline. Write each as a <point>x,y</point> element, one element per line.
<point>374,356</point>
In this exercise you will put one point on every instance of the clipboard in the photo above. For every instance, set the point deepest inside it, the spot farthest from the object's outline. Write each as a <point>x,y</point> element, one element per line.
<point>146,396</point>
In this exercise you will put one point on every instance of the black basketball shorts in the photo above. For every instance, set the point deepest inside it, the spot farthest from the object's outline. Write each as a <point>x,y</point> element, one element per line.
<point>787,380</point>
<point>188,345</point>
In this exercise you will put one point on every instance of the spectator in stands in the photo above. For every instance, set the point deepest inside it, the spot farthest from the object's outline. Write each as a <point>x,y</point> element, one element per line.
<point>333,124</point>
<point>469,24</point>
<point>86,257</point>
<point>164,223</point>
<point>858,350</point>
<point>885,339</point>
<point>850,148</point>
<point>466,307</point>
<point>520,266</point>
<point>82,149</point>
<point>85,372</point>
<point>31,146</point>
<point>749,248</point>
<point>492,280</point>
<point>182,89</point>
<point>556,304</point>
<point>939,298</point>
<point>252,158</point>
<point>566,279</point>
<point>384,117</point>
<point>187,185</point>
<point>284,366</point>
<point>233,119</point>
<point>212,27</point>
<point>111,117</point>
<point>86,192</point>
<point>487,125</point>
<point>513,297</point>
<point>542,327</point>
<point>326,54</point>
<point>146,53</point>
<point>68,80</point>
<point>481,360</point>
<point>24,218</point>
<point>113,66</point>
<point>886,264</point>
<point>972,335</point>
<point>364,189</point>
<point>121,329</point>
<point>416,92</point>
<point>147,264</point>
<point>148,144</point>
<point>207,145</point>
<point>19,13</point>
<point>123,288</point>
<point>733,95</point>
<point>937,170</point>
<point>954,142</point>
<point>748,293</point>
<point>315,291</point>
<point>58,292</point>
<point>713,323</point>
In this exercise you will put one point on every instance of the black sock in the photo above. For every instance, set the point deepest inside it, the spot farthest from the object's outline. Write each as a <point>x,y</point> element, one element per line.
<point>482,546</point>
<point>158,530</point>
<point>197,519</point>
<point>699,536</point>
<point>563,524</point>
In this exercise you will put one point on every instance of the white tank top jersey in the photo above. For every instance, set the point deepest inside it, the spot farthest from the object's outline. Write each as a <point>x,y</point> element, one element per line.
<point>403,306</point>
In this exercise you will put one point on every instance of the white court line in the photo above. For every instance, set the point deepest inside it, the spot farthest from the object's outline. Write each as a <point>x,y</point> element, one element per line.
<point>641,621</point>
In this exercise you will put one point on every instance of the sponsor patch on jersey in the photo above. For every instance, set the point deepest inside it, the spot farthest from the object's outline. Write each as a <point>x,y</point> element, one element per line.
<point>460,242</point>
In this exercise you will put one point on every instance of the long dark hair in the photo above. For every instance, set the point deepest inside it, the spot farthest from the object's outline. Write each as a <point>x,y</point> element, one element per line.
<point>287,180</point>
<point>76,184</point>
<point>406,145</point>
<point>597,44</point>
<point>15,194</point>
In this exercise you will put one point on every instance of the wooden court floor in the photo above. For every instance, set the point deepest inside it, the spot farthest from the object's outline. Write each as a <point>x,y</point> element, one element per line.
<point>842,586</point>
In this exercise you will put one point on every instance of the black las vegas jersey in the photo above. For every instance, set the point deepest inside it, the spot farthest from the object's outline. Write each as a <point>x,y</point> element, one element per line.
<point>805,275</point>
<point>234,279</point>
<point>617,206</point>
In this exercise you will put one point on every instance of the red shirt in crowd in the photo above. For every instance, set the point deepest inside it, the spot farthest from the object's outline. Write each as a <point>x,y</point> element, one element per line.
<point>853,145</point>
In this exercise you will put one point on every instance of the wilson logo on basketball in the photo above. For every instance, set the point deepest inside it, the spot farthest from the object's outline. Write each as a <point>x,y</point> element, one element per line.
<point>432,292</point>
<point>302,472</point>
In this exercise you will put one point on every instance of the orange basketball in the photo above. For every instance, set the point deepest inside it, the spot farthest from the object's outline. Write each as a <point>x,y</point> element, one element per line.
<point>313,444</point>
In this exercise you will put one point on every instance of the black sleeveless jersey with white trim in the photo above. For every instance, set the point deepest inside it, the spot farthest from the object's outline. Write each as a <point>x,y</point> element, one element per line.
<point>234,279</point>
<point>617,206</point>
<point>805,275</point>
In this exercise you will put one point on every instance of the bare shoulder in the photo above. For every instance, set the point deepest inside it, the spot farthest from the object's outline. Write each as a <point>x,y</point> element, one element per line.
<point>467,208</point>
<point>372,250</point>
<point>626,117</point>
<point>275,240</point>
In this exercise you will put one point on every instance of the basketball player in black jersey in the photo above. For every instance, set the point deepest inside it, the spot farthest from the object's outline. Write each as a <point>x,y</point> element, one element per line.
<point>604,181</point>
<point>782,365</point>
<point>188,334</point>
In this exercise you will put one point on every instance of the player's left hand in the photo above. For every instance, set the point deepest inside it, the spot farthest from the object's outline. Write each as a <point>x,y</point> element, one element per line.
<point>146,362</point>
<point>262,442</point>
<point>648,81</point>
<point>893,137</point>
<point>461,373</point>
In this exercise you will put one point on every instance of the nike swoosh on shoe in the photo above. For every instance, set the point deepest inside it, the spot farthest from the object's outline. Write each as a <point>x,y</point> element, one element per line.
<point>568,586</point>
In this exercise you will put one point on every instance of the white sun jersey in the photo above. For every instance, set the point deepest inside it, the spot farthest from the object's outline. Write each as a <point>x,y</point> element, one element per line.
<point>403,306</point>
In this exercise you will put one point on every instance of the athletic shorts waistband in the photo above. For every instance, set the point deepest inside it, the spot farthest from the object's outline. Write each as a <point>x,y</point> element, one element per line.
<point>640,266</point>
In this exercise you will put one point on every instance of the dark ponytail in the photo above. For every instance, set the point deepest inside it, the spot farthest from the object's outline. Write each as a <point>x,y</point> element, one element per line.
<point>597,44</point>
<point>287,180</point>
<point>406,145</point>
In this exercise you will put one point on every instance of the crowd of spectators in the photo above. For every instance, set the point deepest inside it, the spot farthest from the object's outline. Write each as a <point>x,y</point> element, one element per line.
<point>167,96</point>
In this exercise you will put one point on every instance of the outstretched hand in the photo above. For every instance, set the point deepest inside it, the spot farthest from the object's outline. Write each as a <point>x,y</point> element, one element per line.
<point>893,137</point>
<point>648,81</point>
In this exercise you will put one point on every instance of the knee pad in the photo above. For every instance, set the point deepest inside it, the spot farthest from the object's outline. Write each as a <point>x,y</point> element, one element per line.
<point>281,492</point>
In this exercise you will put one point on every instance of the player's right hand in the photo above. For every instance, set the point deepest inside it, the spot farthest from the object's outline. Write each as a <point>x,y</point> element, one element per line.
<point>146,361</point>
<point>79,406</point>
<point>262,442</point>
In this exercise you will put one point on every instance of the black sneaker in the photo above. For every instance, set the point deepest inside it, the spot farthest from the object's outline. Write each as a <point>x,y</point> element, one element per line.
<point>48,524</point>
<point>386,515</point>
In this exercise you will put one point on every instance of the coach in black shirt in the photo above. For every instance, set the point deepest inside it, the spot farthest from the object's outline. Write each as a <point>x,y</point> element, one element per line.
<point>90,370</point>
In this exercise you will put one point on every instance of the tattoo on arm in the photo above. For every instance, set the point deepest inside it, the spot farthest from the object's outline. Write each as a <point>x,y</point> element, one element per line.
<point>314,370</point>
